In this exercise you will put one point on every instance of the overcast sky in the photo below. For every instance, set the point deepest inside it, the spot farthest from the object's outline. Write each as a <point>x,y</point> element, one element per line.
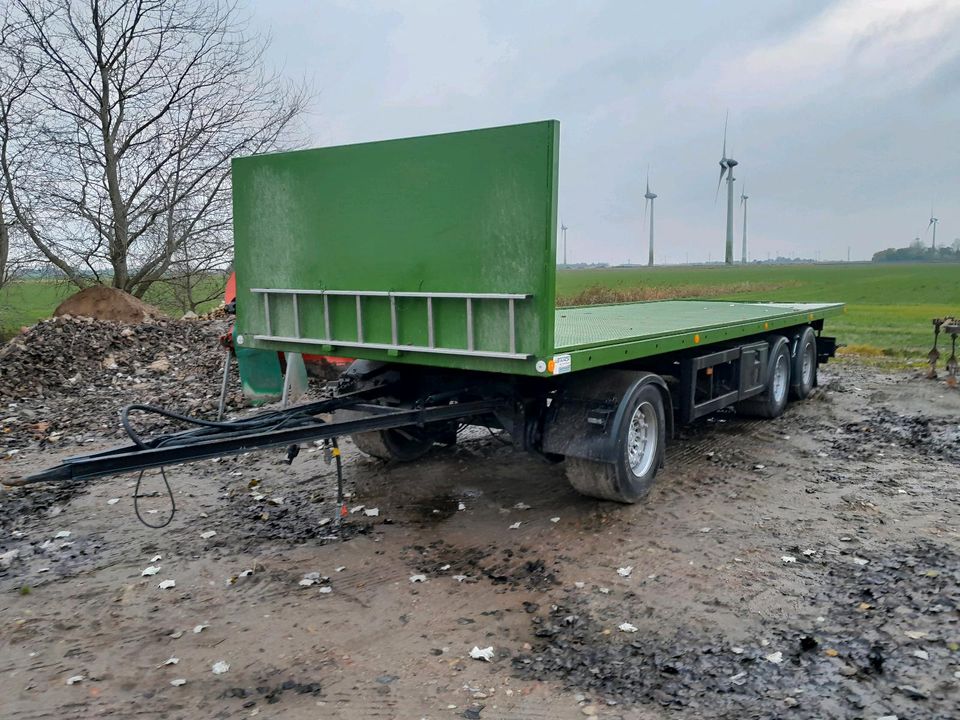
<point>844,115</point>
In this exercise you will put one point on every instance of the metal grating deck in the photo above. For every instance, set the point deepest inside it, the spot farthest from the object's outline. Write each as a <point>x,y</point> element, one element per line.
<point>591,326</point>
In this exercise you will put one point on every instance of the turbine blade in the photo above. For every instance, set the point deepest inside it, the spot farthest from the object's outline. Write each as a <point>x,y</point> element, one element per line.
<point>646,202</point>
<point>725,120</point>
<point>723,169</point>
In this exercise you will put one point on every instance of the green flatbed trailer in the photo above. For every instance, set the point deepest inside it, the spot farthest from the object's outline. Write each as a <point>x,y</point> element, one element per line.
<point>432,261</point>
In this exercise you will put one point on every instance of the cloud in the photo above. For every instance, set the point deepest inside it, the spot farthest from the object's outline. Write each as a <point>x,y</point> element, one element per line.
<point>870,46</point>
<point>448,43</point>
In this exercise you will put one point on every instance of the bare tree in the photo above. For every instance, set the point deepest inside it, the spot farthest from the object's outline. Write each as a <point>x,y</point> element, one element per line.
<point>14,83</point>
<point>133,111</point>
<point>197,275</point>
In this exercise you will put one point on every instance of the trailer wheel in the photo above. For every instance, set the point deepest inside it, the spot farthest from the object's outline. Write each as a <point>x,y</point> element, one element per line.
<point>804,371</point>
<point>640,448</point>
<point>773,401</point>
<point>404,444</point>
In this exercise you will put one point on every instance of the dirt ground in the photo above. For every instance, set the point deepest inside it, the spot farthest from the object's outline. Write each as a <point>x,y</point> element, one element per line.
<point>806,567</point>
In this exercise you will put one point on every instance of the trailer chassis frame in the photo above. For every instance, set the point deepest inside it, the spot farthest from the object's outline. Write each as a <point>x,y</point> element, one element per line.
<point>233,438</point>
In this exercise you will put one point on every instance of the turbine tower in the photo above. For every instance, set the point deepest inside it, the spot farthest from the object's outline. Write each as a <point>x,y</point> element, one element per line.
<point>743,201</point>
<point>726,167</point>
<point>650,197</point>
<point>563,229</point>
<point>933,223</point>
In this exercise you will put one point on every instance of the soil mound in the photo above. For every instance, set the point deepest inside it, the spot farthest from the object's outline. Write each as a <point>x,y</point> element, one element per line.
<point>106,303</point>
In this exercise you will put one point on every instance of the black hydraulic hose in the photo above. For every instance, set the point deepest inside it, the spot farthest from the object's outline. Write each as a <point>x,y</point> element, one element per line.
<point>163,412</point>
<point>264,422</point>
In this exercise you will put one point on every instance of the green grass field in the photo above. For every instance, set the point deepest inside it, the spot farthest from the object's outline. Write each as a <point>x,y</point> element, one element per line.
<point>889,306</point>
<point>27,301</point>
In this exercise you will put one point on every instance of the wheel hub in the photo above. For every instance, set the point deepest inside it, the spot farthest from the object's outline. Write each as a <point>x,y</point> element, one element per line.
<point>642,439</point>
<point>807,367</point>
<point>780,375</point>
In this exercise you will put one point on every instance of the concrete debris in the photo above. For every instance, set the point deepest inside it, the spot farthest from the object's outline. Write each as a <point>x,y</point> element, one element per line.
<point>106,366</point>
<point>485,654</point>
<point>220,667</point>
<point>151,570</point>
<point>312,578</point>
<point>167,584</point>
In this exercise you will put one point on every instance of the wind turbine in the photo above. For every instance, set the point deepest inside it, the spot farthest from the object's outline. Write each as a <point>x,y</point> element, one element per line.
<point>743,201</point>
<point>650,197</point>
<point>563,229</point>
<point>726,167</point>
<point>933,223</point>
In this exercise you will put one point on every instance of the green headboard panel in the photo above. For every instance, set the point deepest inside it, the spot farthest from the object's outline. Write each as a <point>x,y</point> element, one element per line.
<point>465,212</point>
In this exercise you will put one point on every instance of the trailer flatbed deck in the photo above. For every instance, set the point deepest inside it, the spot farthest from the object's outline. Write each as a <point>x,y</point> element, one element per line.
<point>602,334</point>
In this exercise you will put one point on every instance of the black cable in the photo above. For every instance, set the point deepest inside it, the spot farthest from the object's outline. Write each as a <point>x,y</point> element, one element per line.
<point>125,420</point>
<point>136,501</point>
<point>278,420</point>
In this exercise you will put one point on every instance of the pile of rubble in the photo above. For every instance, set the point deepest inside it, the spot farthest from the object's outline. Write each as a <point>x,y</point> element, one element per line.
<point>65,379</point>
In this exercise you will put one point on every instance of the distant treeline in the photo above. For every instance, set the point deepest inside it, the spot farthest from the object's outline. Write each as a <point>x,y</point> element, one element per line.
<point>918,253</point>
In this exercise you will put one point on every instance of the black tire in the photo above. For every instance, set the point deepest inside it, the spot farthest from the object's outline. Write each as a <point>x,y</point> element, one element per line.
<point>618,481</point>
<point>403,445</point>
<point>772,402</point>
<point>803,372</point>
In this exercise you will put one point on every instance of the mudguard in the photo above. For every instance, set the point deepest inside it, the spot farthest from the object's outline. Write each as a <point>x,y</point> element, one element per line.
<point>587,413</point>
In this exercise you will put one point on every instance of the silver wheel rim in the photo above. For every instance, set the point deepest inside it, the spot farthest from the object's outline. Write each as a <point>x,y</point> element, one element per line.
<point>807,367</point>
<point>642,439</point>
<point>780,375</point>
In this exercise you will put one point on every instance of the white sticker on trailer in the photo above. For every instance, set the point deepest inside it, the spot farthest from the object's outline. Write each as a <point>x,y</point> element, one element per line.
<point>562,364</point>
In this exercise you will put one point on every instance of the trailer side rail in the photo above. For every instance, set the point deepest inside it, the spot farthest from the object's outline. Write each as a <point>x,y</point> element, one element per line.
<point>333,339</point>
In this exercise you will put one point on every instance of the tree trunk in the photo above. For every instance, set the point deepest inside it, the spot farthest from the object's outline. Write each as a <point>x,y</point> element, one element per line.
<point>4,246</point>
